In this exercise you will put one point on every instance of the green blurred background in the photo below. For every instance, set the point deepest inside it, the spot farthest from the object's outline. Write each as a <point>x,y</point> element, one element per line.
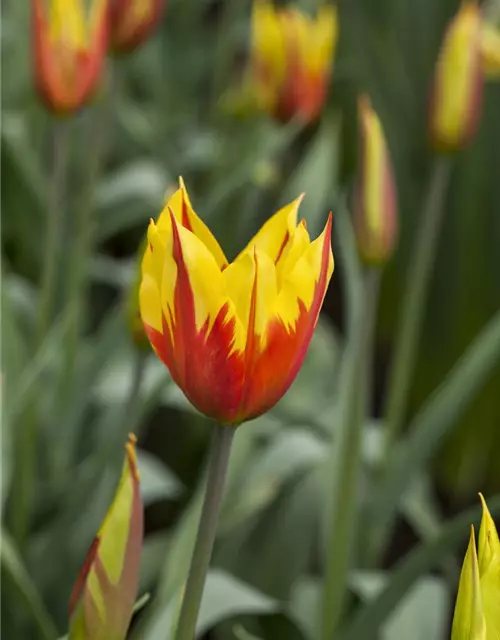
<point>172,108</point>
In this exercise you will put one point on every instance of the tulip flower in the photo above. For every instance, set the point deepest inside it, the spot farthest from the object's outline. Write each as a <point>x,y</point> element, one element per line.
<point>292,59</point>
<point>490,50</point>
<point>69,51</point>
<point>132,22</point>
<point>102,601</point>
<point>458,84</point>
<point>233,336</point>
<point>477,610</point>
<point>375,206</point>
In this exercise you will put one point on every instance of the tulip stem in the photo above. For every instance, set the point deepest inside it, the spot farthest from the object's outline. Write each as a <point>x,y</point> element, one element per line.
<point>54,230</point>
<point>414,302</point>
<point>355,395</point>
<point>217,469</point>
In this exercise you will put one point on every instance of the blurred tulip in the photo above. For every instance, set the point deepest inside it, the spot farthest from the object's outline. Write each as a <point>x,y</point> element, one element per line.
<point>103,598</point>
<point>375,201</point>
<point>458,82</point>
<point>132,22</point>
<point>490,50</point>
<point>70,45</point>
<point>292,59</point>
<point>232,335</point>
<point>477,610</point>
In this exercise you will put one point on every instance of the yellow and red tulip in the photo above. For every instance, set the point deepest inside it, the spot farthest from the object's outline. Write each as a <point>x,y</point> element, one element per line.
<point>102,601</point>
<point>456,98</point>
<point>292,59</point>
<point>375,203</point>
<point>70,45</point>
<point>132,22</point>
<point>477,609</point>
<point>233,336</point>
<point>490,50</point>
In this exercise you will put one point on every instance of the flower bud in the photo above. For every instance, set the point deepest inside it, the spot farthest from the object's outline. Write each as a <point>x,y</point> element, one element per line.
<point>103,597</point>
<point>477,609</point>
<point>375,200</point>
<point>458,83</point>
<point>70,45</point>
<point>132,22</point>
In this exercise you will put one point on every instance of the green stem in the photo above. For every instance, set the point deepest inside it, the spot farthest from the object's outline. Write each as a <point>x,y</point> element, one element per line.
<point>53,237</point>
<point>414,301</point>
<point>217,469</point>
<point>347,454</point>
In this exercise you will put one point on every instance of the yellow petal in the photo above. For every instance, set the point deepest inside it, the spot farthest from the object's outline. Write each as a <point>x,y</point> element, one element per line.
<point>68,23</point>
<point>489,543</point>
<point>275,234</point>
<point>180,204</point>
<point>299,284</point>
<point>323,39</point>
<point>468,619</point>
<point>268,52</point>
<point>295,248</point>
<point>490,50</point>
<point>490,594</point>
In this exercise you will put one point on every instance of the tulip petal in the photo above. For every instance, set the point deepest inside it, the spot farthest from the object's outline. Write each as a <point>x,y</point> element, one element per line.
<point>490,594</point>
<point>490,51</point>
<point>468,619</point>
<point>202,340</point>
<point>275,234</point>
<point>180,205</point>
<point>102,601</point>
<point>489,543</point>
<point>290,328</point>
<point>268,52</point>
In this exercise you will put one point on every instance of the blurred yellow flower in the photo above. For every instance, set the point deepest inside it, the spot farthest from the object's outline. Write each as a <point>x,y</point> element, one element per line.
<point>490,50</point>
<point>292,59</point>
<point>458,82</point>
<point>477,610</point>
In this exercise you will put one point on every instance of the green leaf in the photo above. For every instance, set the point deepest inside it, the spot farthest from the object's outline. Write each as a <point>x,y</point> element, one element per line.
<point>224,597</point>
<point>437,419</point>
<point>370,618</point>
<point>157,481</point>
<point>16,573</point>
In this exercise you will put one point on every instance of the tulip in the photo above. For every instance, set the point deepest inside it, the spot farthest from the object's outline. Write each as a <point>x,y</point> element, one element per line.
<point>132,22</point>
<point>69,51</point>
<point>292,58</point>
<point>477,610</point>
<point>233,336</point>
<point>375,207</point>
<point>458,84</point>
<point>490,50</point>
<point>102,601</point>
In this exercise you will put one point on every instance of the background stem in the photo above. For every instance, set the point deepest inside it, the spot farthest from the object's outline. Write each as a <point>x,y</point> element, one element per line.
<point>217,468</point>
<point>54,228</point>
<point>414,301</point>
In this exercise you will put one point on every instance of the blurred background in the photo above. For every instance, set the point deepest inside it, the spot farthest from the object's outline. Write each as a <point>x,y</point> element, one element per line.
<point>178,105</point>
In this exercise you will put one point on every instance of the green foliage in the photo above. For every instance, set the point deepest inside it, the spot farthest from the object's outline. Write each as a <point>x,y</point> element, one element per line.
<point>61,452</point>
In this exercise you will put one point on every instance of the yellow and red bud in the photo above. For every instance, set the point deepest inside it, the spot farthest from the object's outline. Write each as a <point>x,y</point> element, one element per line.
<point>69,50</point>
<point>233,335</point>
<point>375,198</point>
<point>292,59</point>
<point>103,597</point>
<point>457,93</point>
<point>132,22</point>
<point>477,609</point>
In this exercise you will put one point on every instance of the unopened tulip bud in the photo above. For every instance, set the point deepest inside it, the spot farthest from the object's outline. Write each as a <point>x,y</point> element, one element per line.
<point>70,41</point>
<point>375,203</point>
<point>292,59</point>
<point>132,22</point>
<point>457,93</point>
<point>477,609</point>
<point>490,51</point>
<point>103,598</point>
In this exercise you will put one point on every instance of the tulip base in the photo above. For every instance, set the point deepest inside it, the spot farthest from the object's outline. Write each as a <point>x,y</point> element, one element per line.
<point>216,475</point>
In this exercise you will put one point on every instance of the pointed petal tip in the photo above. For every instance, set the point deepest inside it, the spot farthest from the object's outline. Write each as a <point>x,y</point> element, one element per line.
<point>130,448</point>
